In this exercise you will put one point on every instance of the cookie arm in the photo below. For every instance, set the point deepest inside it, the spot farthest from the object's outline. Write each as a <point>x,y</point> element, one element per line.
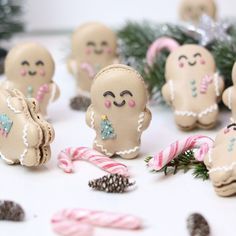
<point>90,117</point>
<point>221,84</point>
<point>167,92</point>
<point>227,97</point>
<point>147,118</point>
<point>55,91</point>
<point>71,65</point>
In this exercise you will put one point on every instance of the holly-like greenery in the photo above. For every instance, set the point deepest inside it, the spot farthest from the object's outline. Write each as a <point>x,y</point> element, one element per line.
<point>135,39</point>
<point>185,162</point>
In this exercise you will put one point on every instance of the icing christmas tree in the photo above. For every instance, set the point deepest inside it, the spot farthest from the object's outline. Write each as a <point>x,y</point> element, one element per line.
<point>5,124</point>
<point>107,131</point>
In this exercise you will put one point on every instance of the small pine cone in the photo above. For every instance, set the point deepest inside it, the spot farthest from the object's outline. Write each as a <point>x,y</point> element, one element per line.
<point>113,183</point>
<point>11,211</point>
<point>80,103</point>
<point>197,225</point>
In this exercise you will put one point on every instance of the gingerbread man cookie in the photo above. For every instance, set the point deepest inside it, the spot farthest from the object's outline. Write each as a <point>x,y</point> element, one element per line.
<point>192,87</point>
<point>29,67</point>
<point>229,95</point>
<point>94,47</point>
<point>118,111</point>
<point>25,136</point>
<point>221,162</point>
<point>192,10</point>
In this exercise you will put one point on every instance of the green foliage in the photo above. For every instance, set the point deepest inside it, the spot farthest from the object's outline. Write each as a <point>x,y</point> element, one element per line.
<point>10,12</point>
<point>185,162</point>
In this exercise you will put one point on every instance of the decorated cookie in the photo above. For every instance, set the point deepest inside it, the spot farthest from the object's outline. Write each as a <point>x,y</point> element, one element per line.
<point>93,48</point>
<point>229,95</point>
<point>191,10</point>
<point>118,111</point>
<point>192,87</point>
<point>25,136</point>
<point>221,162</point>
<point>29,67</point>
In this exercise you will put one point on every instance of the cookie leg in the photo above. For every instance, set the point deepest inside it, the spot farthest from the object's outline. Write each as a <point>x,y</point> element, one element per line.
<point>131,154</point>
<point>102,149</point>
<point>209,120</point>
<point>186,122</point>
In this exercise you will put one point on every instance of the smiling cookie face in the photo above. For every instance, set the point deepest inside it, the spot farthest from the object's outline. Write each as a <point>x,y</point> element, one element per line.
<point>94,42</point>
<point>188,61</point>
<point>29,63</point>
<point>191,10</point>
<point>118,89</point>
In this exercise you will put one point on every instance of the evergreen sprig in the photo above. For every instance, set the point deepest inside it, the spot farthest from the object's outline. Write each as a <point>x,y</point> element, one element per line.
<point>185,162</point>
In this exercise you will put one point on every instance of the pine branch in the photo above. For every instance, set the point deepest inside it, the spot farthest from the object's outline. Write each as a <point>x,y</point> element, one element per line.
<point>185,162</point>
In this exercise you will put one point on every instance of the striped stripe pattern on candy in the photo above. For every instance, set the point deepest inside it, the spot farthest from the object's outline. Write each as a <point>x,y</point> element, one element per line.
<point>67,156</point>
<point>199,142</point>
<point>98,218</point>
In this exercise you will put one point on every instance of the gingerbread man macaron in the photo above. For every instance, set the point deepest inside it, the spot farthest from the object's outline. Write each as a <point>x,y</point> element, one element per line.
<point>94,46</point>
<point>29,67</point>
<point>229,95</point>
<point>118,111</point>
<point>192,10</point>
<point>221,162</point>
<point>193,87</point>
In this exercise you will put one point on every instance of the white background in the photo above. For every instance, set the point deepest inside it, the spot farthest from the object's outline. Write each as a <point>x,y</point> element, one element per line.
<point>67,14</point>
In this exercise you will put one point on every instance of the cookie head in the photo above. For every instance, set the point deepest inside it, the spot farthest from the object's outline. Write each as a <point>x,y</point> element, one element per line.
<point>29,63</point>
<point>118,89</point>
<point>93,42</point>
<point>189,60</point>
<point>191,10</point>
<point>234,73</point>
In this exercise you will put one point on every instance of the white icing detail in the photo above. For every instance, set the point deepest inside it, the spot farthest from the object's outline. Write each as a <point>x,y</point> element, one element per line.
<point>172,94</point>
<point>140,121</point>
<point>223,168</point>
<point>210,155</point>
<point>199,115</point>
<point>5,159</point>
<point>53,93</point>
<point>22,156</point>
<point>230,99</point>
<point>25,132</point>
<point>11,107</point>
<point>102,148</point>
<point>128,151</point>
<point>208,110</point>
<point>92,119</point>
<point>216,83</point>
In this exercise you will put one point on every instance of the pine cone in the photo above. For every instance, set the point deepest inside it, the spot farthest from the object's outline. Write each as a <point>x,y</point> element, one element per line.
<point>113,183</point>
<point>80,103</point>
<point>11,211</point>
<point>197,225</point>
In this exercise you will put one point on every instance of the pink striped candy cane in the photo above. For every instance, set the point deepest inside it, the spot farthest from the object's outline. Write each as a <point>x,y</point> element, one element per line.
<point>97,218</point>
<point>199,142</point>
<point>89,68</point>
<point>206,80</point>
<point>41,92</point>
<point>67,156</point>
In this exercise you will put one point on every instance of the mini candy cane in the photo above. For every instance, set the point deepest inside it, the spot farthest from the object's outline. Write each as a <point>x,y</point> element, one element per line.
<point>75,217</point>
<point>88,67</point>
<point>206,80</point>
<point>41,92</point>
<point>67,156</point>
<point>202,143</point>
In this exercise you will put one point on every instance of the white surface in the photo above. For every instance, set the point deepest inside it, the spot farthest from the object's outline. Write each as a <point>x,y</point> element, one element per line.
<point>68,14</point>
<point>162,202</point>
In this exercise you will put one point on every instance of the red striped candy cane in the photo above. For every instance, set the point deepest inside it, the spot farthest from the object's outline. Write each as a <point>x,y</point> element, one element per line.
<point>67,156</point>
<point>96,218</point>
<point>199,142</point>
<point>41,92</point>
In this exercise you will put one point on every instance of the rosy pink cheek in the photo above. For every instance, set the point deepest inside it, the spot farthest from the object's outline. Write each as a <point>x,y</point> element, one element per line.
<point>226,130</point>
<point>181,65</point>
<point>107,104</point>
<point>203,62</point>
<point>23,72</point>
<point>131,103</point>
<point>109,50</point>
<point>88,51</point>
<point>42,72</point>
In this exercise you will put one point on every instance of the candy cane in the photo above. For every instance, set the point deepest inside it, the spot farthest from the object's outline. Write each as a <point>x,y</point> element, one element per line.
<point>89,68</point>
<point>41,92</point>
<point>206,80</point>
<point>202,143</point>
<point>94,218</point>
<point>158,45</point>
<point>67,156</point>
